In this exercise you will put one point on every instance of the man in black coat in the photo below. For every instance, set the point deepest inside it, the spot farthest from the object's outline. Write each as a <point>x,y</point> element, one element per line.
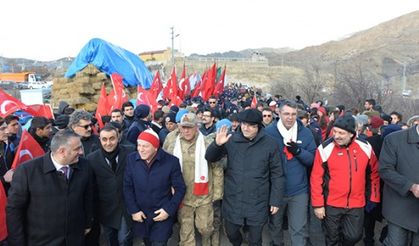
<point>254,179</point>
<point>50,200</point>
<point>108,165</point>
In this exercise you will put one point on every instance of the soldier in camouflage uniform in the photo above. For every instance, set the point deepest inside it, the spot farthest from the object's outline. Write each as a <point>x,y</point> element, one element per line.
<point>196,210</point>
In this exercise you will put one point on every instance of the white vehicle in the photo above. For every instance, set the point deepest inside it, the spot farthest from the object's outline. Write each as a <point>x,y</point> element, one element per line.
<point>37,85</point>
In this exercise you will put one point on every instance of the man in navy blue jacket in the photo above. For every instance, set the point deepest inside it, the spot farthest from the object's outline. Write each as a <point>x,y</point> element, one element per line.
<point>297,148</point>
<point>153,189</point>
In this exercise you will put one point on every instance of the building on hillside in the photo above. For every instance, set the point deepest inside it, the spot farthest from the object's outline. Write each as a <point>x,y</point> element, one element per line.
<point>159,56</point>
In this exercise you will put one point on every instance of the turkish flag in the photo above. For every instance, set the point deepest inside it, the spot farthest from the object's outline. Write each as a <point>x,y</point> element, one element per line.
<point>219,87</point>
<point>166,90</point>
<point>3,202</point>
<point>184,85</point>
<point>142,96</point>
<point>9,104</point>
<point>40,110</point>
<point>117,96</point>
<point>102,106</point>
<point>197,81</point>
<point>254,102</point>
<point>156,86</point>
<point>170,91</point>
<point>146,97</point>
<point>208,83</point>
<point>27,150</point>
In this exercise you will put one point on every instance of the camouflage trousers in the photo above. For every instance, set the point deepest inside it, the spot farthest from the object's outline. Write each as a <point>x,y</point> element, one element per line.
<point>202,218</point>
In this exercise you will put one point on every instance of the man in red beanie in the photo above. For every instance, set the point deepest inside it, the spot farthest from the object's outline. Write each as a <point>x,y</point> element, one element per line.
<point>153,189</point>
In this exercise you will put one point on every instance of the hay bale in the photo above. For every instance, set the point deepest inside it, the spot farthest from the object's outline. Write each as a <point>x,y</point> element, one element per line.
<point>86,90</point>
<point>102,76</point>
<point>90,70</point>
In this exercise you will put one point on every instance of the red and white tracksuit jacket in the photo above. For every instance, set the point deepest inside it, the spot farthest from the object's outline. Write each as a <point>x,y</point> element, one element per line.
<point>341,175</point>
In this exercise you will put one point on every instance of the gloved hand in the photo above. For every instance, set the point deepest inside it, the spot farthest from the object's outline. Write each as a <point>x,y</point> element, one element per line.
<point>293,148</point>
<point>370,206</point>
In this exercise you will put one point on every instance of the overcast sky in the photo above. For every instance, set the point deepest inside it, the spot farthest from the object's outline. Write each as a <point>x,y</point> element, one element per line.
<point>52,29</point>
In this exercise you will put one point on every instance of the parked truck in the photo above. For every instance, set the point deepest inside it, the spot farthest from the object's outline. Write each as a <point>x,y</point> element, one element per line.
<point>20,77</point>
<point>25,80</point>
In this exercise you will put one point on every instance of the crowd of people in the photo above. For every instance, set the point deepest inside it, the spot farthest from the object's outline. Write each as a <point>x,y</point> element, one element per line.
<point>223,165</point>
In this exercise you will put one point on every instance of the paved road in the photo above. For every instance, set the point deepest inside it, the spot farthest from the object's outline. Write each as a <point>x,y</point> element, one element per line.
<point>266,238</point>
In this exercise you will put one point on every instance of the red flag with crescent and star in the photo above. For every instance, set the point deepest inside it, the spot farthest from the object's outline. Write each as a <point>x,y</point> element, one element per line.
<point>9,104</point>
<point>156,86</point>
<point>40,110</point>
<point>27,150</point>
<point>102,106</point>
<point>117,95</point>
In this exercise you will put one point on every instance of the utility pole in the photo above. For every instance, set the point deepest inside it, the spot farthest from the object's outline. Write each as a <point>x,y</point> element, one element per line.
<point>173,36</point>
<point>404,78</point>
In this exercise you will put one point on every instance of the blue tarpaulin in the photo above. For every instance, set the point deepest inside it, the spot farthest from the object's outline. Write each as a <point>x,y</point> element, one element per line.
<point>109,58</point>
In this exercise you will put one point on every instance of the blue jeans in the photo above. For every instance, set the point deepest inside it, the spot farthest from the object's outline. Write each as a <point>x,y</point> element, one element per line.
<point>121,237</point>
<point>400,236</point>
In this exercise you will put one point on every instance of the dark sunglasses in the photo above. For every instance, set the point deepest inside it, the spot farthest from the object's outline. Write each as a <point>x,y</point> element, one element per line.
<point>267,115</point>
<point>212,102</point>
<point>86,126</point>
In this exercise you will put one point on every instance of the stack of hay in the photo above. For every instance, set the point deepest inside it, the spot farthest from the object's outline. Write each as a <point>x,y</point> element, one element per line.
<point>83,90</point>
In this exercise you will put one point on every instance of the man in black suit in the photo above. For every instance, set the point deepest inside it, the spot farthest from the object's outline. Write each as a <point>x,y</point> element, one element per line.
<point>50,199</point>
<point>108,165</point>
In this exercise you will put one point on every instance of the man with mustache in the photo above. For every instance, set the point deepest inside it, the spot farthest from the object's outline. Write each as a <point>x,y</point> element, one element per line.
<point>344,166</point>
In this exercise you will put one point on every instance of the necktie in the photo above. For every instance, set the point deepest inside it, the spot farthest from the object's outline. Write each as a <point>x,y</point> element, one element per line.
<point>66,172</point>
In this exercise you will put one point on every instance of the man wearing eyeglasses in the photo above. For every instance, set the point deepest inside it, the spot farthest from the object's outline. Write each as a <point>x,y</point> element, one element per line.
<point>212,102</point>
<point>81,123</point>
<point>267,116</point>
<point>208,124</point>
<point>297,149</point>
<point>217,109</point>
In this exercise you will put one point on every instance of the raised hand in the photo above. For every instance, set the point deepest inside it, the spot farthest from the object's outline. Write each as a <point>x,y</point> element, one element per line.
<point>222,136</point>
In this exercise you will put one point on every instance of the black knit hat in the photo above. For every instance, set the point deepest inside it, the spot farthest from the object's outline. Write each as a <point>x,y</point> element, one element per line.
<point>142,111</point>
<point>346,122</point>
<point>171,117</point>
<point>252,116</point>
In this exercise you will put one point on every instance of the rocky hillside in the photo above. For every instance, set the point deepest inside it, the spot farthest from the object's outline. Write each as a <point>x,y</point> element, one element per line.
<point>384,50</point>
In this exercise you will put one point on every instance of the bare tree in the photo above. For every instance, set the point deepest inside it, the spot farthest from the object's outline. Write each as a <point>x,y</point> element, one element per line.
<point>354,85</point>
<point>313,83</point>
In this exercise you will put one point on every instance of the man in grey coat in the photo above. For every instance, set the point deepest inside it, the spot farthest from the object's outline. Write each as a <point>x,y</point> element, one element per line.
<point>254,179</point>
<point>399,169</point>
